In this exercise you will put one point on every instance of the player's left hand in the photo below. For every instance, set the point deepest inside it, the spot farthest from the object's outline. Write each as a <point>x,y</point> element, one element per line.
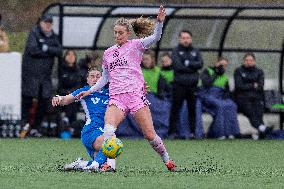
<point>161,14</point>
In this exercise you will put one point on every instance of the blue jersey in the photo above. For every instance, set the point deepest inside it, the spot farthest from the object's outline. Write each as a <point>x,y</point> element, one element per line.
<point>94,105</point>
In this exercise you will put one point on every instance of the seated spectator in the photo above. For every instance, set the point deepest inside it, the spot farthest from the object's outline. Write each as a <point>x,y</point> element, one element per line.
<point>91,60</point>
<point>69,80</point>
<point>167,72</point>
<point>214,99</point>
<point>4,41</point>
<point>249,94</point>
<point>152,74</point>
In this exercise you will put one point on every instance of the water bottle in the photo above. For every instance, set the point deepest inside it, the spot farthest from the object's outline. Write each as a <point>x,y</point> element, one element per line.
<point>10,130</point>
<point>17,130</point>
<point>4,130</point>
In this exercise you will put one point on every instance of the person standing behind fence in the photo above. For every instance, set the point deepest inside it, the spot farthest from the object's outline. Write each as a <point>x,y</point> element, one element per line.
<point>4,41</point>
<point>249,94</point>
<point>41,48</point>
<point>187,60</point>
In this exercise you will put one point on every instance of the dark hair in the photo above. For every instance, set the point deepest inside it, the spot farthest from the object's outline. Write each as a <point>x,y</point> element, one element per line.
<point>185,31</point>
<point>151,53</point>
<point>222,58</point>
<point>249,54</point>
<point>70,50</point>
<point>93,68</point>
<point>168,54</point>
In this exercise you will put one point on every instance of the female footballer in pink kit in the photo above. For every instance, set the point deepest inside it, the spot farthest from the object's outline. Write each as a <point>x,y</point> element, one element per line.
<point>121,68</point>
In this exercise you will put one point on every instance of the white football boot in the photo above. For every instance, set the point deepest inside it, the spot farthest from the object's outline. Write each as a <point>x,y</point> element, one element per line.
<point>94,167</point>
<point>79,164</point>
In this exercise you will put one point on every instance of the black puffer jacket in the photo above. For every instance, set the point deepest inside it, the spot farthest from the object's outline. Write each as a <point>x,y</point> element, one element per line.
<point>37,64</point>
<point>69,79</point>
<point>186,63</point>
<point>245,79</point>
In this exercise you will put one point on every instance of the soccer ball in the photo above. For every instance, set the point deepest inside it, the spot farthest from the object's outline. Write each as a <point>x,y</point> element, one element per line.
<point>112,148</point>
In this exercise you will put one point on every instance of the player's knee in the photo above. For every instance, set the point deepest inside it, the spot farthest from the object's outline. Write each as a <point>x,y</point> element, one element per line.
<point>98,143</point>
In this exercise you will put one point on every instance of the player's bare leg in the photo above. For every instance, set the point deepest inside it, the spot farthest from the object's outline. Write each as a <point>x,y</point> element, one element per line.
<point>144,119</point>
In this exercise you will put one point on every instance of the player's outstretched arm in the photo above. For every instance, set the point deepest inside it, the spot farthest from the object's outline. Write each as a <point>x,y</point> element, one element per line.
<point>156,36</point>
<point>62,100</point>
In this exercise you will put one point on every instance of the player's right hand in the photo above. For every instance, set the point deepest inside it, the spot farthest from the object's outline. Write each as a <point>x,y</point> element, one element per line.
<point>82,94</point>
<point>56,101</point>
<point>146,88</point>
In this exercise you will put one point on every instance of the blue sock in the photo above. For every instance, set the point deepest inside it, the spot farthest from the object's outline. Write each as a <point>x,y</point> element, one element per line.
<point>100,158</point>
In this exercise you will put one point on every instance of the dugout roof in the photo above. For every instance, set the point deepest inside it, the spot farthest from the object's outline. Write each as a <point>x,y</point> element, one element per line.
<point>218,30</point>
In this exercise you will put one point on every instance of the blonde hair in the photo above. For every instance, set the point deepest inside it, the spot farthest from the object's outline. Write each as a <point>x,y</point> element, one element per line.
<point>142,27</point>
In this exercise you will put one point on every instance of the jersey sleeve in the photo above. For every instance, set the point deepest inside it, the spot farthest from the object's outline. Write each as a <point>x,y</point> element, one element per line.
<point>156,36</point>
<point>74,93</point>
<point>138,44</point>
<point>104,62</point>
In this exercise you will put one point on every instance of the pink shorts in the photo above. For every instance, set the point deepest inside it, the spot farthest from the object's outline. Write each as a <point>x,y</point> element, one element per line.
<point>129,102</point>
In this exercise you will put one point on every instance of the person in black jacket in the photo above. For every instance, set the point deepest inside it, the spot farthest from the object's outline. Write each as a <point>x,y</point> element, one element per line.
<point>69,80</point>
<point>41,48</point>
<point>186,62</point>
<point>249,94</point>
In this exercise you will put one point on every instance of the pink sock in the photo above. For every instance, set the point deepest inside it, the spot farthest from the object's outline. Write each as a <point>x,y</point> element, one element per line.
<point>158,145</point>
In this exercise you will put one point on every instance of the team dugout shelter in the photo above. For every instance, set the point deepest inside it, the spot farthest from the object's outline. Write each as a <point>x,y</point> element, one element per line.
<point>218,30</point>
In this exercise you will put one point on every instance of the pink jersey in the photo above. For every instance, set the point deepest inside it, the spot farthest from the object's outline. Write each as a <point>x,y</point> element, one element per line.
<point>123,65</point>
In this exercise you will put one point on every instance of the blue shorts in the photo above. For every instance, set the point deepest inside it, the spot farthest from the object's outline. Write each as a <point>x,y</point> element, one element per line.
<point>89,135</point>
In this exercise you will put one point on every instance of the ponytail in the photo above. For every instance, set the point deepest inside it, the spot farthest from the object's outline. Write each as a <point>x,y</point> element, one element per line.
<point>142,27</point>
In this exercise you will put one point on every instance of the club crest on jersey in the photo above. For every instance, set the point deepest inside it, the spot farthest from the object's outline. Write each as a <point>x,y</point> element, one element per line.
<point>193,53</point>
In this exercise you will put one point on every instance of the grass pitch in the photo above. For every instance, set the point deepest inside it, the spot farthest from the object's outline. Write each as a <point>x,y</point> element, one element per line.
<point>37,163</point>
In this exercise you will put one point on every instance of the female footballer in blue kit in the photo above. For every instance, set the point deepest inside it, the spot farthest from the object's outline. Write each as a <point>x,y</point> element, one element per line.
<point>94,107</point>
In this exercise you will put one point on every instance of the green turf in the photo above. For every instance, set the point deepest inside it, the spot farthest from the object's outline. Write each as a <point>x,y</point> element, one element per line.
<point>36,163</point>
